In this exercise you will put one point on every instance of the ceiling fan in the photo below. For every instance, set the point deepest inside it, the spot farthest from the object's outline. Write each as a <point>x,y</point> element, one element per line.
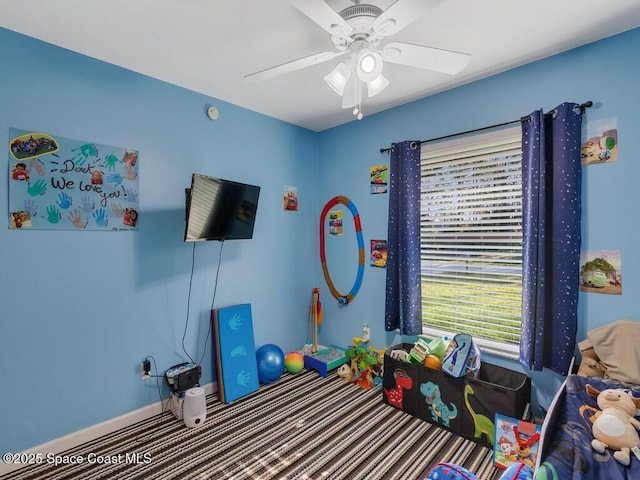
<point>359,32</point>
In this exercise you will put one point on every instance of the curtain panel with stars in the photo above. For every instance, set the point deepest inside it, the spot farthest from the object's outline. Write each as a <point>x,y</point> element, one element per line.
<point>551,177</point>
<point>403,299</point>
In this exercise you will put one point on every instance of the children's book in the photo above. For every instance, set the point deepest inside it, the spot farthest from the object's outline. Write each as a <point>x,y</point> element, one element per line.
<point>515,441</point>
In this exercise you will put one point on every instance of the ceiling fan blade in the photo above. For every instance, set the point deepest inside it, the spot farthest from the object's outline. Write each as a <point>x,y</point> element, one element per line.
<point>428,58</point>
<point>292,66</point>
<point>323,15</point>
<point>399,15</point>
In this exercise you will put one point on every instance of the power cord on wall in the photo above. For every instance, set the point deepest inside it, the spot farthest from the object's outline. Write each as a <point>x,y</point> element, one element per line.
<point>146,364</point>
<point>149,358</point>
<point>213,299</point>
<point>215,288</point>
<point>186,323</point>
<point>147,361</point>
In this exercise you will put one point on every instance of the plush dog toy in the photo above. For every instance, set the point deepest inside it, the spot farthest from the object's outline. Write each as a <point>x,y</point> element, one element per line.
<point>590,366</point>
<point>615,426</point>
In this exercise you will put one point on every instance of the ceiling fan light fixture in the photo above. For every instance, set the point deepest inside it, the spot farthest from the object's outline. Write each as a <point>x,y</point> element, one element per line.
<point>377,85</point>
<point>338,78</point>
<point>369,65</point>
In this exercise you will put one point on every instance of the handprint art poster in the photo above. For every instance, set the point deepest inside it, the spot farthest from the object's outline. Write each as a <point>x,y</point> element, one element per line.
<point>57,183</point>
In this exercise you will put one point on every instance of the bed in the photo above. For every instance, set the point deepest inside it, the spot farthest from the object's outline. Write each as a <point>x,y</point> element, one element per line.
<point>566,451</point>
<point>565,443</point>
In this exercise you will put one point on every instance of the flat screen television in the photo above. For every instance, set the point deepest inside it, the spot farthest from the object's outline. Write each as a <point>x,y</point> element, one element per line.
<point>219,209</point>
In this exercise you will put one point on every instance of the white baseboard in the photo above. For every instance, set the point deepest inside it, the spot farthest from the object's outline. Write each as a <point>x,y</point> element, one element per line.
<point>95,431</point>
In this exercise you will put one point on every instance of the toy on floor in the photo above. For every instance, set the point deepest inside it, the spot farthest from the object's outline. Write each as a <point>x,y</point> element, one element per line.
<point>364,379</point>
<point>449,471</point>
<point>294,362</point>
<point>517,471</point>
<point>615,426</point>
<point>270,360</point>
<point>365,362</point>
<point>315,319</point>
<point>344,372</point>
<point>317,357</point>
<point>366,336</point>
<point>365,367</point>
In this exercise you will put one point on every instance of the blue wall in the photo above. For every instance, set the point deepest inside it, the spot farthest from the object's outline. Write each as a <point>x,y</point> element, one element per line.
<point>605,72</point>
<point>82,309</point>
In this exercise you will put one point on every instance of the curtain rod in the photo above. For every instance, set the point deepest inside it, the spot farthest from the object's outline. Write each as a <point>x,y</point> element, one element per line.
<point>582,108</point>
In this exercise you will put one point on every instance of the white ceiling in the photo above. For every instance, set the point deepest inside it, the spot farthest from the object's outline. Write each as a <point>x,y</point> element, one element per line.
<point>209,46</point>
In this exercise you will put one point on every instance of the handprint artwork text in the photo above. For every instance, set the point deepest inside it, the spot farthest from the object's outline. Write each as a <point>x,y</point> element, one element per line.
<point>64,184</point>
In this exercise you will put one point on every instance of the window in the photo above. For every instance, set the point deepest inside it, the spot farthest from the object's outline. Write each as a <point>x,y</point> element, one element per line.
<point>471,238</point>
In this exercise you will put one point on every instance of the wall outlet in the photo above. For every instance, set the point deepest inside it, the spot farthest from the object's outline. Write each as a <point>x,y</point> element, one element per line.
<point>145,370</point>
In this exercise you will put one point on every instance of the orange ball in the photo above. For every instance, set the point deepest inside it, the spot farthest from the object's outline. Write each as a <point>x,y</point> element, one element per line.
<point>433,361</point>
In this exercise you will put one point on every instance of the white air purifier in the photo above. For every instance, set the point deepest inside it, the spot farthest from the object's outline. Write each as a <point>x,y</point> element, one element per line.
<point>194,408</point>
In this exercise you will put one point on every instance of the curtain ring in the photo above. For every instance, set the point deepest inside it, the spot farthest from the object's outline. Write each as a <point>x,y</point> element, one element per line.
<point>413,145</point>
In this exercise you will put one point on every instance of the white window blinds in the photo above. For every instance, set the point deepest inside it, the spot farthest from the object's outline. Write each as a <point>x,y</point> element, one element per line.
<point>471,238</point>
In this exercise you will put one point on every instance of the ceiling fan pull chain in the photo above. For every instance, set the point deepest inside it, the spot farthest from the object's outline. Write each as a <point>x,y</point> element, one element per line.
<point>357,111</point>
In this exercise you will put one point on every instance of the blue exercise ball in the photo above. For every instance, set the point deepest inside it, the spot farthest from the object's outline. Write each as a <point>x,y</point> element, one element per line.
<point>270,360</point>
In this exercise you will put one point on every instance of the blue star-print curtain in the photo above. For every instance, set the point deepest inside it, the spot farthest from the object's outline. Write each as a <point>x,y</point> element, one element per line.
<point>551,189</point>
<point>403,303</point>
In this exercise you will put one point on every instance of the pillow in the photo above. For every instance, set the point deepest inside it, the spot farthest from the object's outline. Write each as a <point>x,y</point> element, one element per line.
<point>617,345</point>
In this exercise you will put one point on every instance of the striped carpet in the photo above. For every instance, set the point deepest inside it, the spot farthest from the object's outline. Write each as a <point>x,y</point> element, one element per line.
<point>300,427</point>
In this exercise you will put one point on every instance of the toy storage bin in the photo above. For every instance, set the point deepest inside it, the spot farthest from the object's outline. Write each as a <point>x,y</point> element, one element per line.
<point>469,403</point>
<point>492,390</point>
<point>400,387</point>
<point>402,383</point>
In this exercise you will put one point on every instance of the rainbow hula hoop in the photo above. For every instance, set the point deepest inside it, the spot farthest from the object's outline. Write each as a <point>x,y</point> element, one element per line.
<point>342,299</point>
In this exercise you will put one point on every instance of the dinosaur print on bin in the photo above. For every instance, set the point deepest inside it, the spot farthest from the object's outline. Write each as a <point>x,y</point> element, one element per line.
<point>483,424</point>
<point>439,409</point>
<point>403,382</point>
